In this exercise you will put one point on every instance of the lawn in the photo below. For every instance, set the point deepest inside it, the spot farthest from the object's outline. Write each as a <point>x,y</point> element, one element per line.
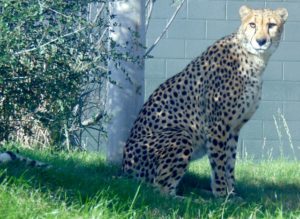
<point>81,185</point>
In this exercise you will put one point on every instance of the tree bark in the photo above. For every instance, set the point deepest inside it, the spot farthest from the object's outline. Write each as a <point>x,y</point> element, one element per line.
<point>124,100</point>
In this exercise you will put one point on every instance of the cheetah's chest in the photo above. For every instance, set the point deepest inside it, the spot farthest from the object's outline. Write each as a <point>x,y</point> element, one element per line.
<point>250,100</point>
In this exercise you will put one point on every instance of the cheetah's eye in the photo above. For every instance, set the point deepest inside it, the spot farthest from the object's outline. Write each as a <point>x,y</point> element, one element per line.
<point>252,25</point>
<point>271,25</point>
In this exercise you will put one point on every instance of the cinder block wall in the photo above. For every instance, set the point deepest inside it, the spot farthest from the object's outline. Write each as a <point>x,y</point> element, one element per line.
<point>201,22</point>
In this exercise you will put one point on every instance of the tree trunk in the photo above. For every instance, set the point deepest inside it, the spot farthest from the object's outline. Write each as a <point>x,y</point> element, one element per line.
<point>124,100</point>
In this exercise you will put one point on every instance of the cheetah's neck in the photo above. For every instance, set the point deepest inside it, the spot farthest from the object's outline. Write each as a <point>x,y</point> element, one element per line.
<point>259,60</point>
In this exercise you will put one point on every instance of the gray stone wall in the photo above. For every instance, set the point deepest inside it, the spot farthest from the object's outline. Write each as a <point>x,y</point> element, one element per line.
<point>199,24</point>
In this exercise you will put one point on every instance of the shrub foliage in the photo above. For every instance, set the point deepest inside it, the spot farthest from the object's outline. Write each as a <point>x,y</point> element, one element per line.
<point>52,60</point>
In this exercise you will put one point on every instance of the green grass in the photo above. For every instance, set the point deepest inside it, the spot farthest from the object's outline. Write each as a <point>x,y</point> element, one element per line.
<point>81,185</point>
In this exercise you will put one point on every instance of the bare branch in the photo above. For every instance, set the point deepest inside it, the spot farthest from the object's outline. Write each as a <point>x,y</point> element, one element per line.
<point>51,41</point>
<point>166,28</point>
<point>98,13</point>
<point>94,120</point>
<point>91,135</point>
<point>57,12</point>
<point>147,3</point>
<point>149,12</point>
<point>87,93</point>
<point>102,36</point>
<point>42,6</point>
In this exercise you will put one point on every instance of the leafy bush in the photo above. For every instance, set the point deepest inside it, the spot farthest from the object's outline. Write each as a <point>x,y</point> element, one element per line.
<point>52,60</point>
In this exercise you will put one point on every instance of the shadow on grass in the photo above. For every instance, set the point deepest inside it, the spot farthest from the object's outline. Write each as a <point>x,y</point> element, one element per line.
<point>81,181</point>
<point>250,191</point>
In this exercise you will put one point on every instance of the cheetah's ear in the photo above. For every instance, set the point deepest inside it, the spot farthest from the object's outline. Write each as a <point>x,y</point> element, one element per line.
<point>283,13</point>
<point>244,11</point>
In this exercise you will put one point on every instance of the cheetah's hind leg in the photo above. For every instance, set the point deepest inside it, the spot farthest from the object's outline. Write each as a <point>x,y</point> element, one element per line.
<point>174,150</point>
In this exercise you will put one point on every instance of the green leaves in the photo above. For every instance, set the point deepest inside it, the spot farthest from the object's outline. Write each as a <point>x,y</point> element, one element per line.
<point>42,44</point>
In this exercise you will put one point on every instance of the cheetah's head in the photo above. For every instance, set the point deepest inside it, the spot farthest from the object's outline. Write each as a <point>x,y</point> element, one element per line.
<point>261,30</point>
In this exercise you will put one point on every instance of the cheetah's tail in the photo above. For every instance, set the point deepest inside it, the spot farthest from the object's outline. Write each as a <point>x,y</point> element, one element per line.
<point>9,156</point>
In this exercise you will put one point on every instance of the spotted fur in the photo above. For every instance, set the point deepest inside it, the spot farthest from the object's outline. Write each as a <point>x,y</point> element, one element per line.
<point>9,156</point>
<point>202,109</point>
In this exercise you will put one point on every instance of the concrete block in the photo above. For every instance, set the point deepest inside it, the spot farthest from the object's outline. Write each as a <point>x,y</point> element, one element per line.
<point>292,31</point>
<point>269,150</point>
<point>291,111</point>
<point>252,149</point>
<point>233,7</point>
<point>292,130</point>
<point>155,68</point>
<point>156,27</point>
<point>194,48</point>
<point>274,71</point>
<point>291,71</point>
<point>292,7</point>
<point>287,51</point>
<point>166,8</point>
<point>187,29</point>
<point>252,130</point>
<point>267,109</point>
<point>283,149</point>
<point>270,131</point>
<point>219,29</point>
<point>168,48</point>
<point>281,91</point>
<point>278,130</point>
<point>151,85</point>
<point>175,66</point>
<point>205,9</point>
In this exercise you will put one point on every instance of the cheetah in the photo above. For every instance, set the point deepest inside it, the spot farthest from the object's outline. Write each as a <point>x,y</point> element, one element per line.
<point>201,110</point>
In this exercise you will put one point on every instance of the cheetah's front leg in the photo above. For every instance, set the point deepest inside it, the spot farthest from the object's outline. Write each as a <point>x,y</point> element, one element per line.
<point>222,154</point>
<point>217,157</point>
<point>231,149</point>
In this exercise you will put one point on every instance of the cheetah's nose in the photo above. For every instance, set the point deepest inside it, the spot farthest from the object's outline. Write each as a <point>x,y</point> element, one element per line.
<point>261,42</point>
